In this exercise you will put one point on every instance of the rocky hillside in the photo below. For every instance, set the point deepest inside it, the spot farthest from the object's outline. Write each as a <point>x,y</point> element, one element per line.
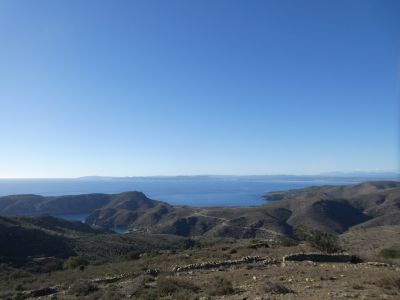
<point>187,253</point>
<point>327,208</point>
<point>27,240</point>
<point>342,207</point>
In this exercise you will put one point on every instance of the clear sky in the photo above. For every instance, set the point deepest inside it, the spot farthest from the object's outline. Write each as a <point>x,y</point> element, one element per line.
<point>124,88</point>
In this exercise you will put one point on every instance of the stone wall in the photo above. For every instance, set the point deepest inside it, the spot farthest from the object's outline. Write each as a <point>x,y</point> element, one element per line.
<point>322,257</point>
<point>217,264</point>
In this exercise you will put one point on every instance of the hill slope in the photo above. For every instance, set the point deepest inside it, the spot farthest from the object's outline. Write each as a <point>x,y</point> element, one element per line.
<point>34,205</point>
<point>27,240</point>
<point>327,208</point>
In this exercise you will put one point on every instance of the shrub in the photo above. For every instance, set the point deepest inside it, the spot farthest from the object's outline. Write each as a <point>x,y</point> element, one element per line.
<point>51,266</point>
<point>19,274</point>
<point>276,288</point>
<point>133,255</point>
<point>355,259</point>
<point>219,287</point>
<point>255,244</point>
<point>289,242</point>
<point>390,253</point>
<point>18,296</point>
<point>83,288</point>
<point>140,288</point>
<point>177,288</point>
<point>302,232</point>
<point>188,244</point>
<point>323,241</point>
<point>390,283</point>
<point>75,261</point>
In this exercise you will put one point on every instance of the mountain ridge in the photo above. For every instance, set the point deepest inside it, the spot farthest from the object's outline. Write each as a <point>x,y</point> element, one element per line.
<point>333,209</point>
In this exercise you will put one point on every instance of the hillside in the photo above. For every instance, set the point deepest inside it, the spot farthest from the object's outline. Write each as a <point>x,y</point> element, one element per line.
<point>34,205</point>
<point>179,252</point>
<point>339,208</point>
<point>23,240</point>
<point>327,208</point>
<point>333,209</point>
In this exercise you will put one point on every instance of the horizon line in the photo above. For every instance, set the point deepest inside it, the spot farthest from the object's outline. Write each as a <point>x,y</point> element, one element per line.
<point>323,174</point>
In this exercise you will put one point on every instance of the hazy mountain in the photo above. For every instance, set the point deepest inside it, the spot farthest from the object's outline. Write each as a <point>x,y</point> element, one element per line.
<point>363,174</point>
<point>371,175</point>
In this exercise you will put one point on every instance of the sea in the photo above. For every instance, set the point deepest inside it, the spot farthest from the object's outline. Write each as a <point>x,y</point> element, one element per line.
<point>196,191</point>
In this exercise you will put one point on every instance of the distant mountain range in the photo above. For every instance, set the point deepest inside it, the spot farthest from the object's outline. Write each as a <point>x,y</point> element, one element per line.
<point>354,175</point>
<point>362,174</point>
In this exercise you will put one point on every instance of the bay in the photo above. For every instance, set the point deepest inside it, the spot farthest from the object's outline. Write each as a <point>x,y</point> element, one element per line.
<point>200,192</point>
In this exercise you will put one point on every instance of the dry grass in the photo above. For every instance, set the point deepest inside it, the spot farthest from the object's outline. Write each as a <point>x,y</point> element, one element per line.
<point>304,280</point>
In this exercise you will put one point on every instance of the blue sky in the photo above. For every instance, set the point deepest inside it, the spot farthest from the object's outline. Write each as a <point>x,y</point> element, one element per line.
<point>125,88</point>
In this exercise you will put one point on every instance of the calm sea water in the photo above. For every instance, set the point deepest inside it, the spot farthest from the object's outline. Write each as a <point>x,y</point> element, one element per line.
<point>194,192</point>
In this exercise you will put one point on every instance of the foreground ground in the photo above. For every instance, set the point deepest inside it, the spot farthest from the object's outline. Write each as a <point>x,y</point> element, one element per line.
<point>173,252</point>
<point>151,276</point>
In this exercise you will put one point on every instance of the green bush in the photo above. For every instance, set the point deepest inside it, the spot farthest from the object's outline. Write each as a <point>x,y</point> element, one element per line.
<point>188,244</point>
<point>301,232</point>
<point>323,241</point>
<point>289,242</point>
<point>75,261</point>
<point>390,253</point>
<point>220,287</point>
